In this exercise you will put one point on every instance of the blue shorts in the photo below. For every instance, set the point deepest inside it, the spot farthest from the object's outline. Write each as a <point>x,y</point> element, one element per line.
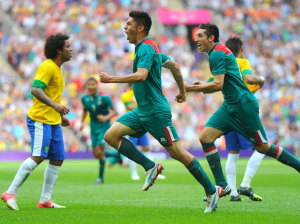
<point>235,142</point>
<point>142,141</point>
<point>46,140</point>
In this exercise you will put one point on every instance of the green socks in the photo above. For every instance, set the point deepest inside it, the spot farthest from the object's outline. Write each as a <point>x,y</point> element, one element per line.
<point>128,149</point>
<point>111,153</point>
<point>213,159</point>
<point>197,171</point>
<point>102,168</point>
<point>283,156</point>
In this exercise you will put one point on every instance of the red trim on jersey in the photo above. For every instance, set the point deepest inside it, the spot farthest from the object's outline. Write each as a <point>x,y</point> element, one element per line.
<point>223,48</point>
<point>209,149</point>
<point>258,138</point>
<point>151,42</point>
<point>276,151</point>
<point>168,136</point>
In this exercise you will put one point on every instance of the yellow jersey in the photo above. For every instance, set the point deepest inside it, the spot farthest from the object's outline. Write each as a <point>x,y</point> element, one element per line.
<point>128,98</point>
<point>48,77</point>
<point>245,69</point>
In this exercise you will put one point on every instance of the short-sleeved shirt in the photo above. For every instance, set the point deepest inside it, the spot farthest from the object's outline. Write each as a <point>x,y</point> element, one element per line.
<point>245,69</point>
<point>222,61</point>
<point>99,105</point>
<point>127,98</point>
<point>148,94</point>
<point>48,77</point>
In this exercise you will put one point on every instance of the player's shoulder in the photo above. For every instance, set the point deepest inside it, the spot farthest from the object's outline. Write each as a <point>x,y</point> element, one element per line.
<point>47,64</point>
<point>149,45</point>
<point>85,97</point>
<point>221,49</point>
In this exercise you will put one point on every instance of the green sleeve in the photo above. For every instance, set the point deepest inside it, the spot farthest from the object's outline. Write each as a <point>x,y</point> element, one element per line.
<point>217,62</point>
<point>210,79</point>
<point>145,56</point>
<point>39,84</point>
<point>246,71</point>
<point>165,58</point>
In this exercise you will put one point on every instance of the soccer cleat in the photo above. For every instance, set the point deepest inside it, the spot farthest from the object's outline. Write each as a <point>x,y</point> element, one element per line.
<point>248,191</point>
<point>49,204</point>
<point>212,200</point>
<point>99,181</point>
<point>135,176</point>
<point>235,198</point>
<point>151,175</point>
<point>161,177</point>
<point>226,191</point>
<point>10,200</point>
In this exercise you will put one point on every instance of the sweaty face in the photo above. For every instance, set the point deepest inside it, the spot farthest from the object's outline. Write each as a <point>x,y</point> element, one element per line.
<point>67,51</point>
<point>92,87</point>
<point>131,30</point>
<point>204,45</point>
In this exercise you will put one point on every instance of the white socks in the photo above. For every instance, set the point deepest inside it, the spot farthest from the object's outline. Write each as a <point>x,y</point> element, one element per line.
<point>252,167</point>
<point>24,171</point>
<point>50,177</point>
<point>231,172</point>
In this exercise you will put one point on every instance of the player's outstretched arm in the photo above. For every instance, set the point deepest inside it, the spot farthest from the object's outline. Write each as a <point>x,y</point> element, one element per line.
<point>41,96</point>
<point>175,70</point>
<point>83,115</point>
<point>139,76</point>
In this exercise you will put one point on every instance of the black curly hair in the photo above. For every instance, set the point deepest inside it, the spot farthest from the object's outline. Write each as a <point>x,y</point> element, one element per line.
<point>54,43</point>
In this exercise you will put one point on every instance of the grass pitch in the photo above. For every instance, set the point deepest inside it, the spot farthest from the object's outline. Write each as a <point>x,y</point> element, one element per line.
<point>178,199</point>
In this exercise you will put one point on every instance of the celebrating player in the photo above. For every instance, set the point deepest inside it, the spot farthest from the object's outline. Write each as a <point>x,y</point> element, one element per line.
<point>239,111</point>
<point>44,122</point>
<point>153,112</point>
<point>101,110</point>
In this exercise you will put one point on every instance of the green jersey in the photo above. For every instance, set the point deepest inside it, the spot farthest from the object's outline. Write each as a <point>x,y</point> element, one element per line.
<point>99,105</point>
<point>148,94</point>
<point>222,61</point>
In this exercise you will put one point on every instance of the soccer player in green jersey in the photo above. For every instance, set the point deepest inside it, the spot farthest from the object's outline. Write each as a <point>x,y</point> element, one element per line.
<point>153,112</point>
<point>239,111</point>
<point>101,110</point>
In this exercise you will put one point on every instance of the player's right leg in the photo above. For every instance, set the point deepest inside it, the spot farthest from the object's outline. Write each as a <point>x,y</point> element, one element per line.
<point>129,124</point>
<point>40,142</point>
<point>98,152</point>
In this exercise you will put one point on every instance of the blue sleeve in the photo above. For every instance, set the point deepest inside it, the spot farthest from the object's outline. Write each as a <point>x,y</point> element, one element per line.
<point>165,58</point>
<point>145,56</point>
<point>217,62</point>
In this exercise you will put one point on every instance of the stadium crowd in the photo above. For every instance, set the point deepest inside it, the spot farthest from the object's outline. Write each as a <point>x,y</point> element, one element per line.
<point>269,29</point>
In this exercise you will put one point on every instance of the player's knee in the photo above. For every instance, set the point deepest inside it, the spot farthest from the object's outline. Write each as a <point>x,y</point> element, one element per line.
<point>108,137</point>
<point>205,139</point>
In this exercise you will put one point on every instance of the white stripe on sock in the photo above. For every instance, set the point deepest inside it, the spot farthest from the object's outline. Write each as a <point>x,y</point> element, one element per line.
<point>279,152</point>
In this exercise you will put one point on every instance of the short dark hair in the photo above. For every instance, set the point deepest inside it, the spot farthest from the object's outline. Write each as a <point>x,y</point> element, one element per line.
<point>142,18</point>
<point>210,29</point>
<point>234,44</point>
<point>91,79</point>
<point>54,43</point>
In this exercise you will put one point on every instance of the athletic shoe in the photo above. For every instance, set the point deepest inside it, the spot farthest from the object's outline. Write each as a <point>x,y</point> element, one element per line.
<point>226,191</point>
<point>248,191</point>
<point>151,175</point>
<point>10,200</point>
<point>235,198</point>
<point>99,181</point>
<point>49,204</point>
<point>135,176</point>
<point>212,200</point>
<point>161,177</point>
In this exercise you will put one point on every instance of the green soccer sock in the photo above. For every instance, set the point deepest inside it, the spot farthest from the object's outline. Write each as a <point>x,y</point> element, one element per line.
<point>102,168</point>
<point>128,149</point>
<point>283,156</point>
<point>213,159</point>
<point>197,171</point>
<point>111,153</point>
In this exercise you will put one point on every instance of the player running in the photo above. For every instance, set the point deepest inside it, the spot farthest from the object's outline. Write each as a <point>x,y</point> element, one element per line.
<point>44,121</point>
<point>101,110</point>
<point>153,112</point>
<point>240,109</point>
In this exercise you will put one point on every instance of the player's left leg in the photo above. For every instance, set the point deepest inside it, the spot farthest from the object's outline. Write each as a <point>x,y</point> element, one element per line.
<point>98,153</point>
<point>56,156</point>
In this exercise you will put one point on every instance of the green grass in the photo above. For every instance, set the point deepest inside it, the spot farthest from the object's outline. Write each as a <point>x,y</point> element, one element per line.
<point>178,199</point>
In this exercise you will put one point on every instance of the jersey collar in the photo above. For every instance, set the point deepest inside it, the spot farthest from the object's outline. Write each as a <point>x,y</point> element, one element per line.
<point>212,48</point>
<point>139,43</point>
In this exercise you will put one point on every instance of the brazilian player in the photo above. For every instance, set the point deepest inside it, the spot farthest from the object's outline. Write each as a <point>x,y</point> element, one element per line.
<point>239,111</point>
<point>44,121</point>
<point>153,112</point>
<point>101,110</point>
